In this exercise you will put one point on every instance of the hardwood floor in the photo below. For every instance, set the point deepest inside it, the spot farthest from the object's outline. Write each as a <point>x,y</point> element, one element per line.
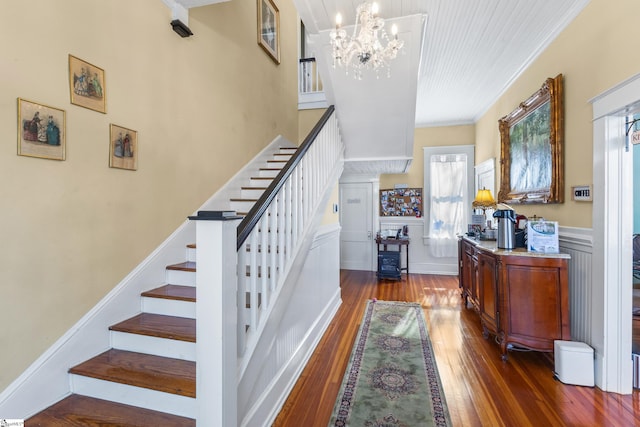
<point>481,389</point>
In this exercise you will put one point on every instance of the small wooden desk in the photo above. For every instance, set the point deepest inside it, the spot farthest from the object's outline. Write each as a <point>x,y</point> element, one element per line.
<point>398,242</point>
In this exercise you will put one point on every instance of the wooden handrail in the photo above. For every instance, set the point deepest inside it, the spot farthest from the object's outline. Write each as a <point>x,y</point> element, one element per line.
<point>260,207</point>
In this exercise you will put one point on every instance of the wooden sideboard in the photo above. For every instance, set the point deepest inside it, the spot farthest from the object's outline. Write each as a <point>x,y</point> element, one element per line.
<point>522,297</point>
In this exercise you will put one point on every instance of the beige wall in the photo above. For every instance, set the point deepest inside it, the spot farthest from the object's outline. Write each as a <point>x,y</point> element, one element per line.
<point>203,106</point>
<point>428,137</point>
<point>307,120</point>
<point>594,53</point>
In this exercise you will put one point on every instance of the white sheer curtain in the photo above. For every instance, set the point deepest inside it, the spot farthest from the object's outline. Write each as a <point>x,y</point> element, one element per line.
<point>448,183</point>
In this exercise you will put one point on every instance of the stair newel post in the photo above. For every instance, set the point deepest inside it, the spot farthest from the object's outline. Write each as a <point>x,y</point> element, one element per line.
<point>216,318</point>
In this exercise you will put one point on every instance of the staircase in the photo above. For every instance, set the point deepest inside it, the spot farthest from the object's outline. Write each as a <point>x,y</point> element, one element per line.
<point>148,377</point>
<point>260,314</point>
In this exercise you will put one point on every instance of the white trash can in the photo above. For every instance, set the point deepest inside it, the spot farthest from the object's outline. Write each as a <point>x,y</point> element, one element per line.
<point>574,363</point>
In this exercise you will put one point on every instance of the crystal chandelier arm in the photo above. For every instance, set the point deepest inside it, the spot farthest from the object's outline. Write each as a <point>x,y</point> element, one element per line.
<point>369,46</point>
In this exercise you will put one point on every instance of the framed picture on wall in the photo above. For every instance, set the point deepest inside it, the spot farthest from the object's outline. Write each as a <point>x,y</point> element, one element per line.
<point>269,28</point>
<point>531,155</point>
<point>87,85</point>
<point>41,130</point>
<point>123,148</point>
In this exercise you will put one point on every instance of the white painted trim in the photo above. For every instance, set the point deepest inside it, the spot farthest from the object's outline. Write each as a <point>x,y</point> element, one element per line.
<point>575,236</point>
<point>611,270</point>
<point>325,234</point>
<point>217,323</point>
<point>617,98</point>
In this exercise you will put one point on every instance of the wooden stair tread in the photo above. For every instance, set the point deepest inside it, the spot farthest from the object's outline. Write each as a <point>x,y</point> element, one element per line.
<point>173,292</point>
<point>243,200</point>
<point>191,245</point>
<point>253,188</point>
<point>142,370</point>
<point>158,325</point>
<point>76,410</point>
<point>183,266</point>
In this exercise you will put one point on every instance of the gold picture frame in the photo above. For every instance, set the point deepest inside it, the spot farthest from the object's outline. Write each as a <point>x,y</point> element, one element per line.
<point>123,148</point>
<point>87,85</point>
<point>41,130</point>
<point>532,145</point>
<point>269,28</point>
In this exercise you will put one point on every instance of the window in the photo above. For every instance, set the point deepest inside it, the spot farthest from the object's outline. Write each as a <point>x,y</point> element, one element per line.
<point>448,187</point>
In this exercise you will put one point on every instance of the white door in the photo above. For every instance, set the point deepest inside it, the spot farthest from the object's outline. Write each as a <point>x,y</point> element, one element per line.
<point>356,220</point>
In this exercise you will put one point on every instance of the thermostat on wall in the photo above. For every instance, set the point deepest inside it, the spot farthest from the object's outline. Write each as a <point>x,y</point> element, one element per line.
<point>582,193</point>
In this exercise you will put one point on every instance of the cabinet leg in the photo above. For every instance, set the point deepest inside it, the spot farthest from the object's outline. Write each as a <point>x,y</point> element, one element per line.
<point>485,332</point>
<point>504,348</point>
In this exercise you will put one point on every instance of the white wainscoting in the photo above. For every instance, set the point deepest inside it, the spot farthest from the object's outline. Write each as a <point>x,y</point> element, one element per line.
<point>578,242</point>
<point>305,315</point>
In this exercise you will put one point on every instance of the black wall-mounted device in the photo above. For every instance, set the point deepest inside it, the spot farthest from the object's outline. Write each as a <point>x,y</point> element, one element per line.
<point>180,28</point>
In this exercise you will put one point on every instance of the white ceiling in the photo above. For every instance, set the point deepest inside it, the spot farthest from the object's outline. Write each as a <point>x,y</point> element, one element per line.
<point>473,49</point>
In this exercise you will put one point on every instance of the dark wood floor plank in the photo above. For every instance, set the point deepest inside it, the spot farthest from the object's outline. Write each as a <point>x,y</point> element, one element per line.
<point>77,411</point>
<point>161,326</point>
<point>481,389</point>
<point>142,370</point>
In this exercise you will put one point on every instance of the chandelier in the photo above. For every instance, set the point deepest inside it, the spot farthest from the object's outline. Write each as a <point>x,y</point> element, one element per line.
<point>369,47</point>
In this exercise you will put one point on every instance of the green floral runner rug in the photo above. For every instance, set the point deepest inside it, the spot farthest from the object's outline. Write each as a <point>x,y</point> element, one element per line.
<point>392,378</point>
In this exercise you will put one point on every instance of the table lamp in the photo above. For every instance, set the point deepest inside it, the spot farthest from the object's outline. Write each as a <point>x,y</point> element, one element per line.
<point>484,200</point>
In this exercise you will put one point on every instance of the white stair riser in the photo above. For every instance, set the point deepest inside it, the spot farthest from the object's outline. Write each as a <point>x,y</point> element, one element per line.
<point>268,174</point>
<point>179,277</point>
<point>136,396</point>
<point>164,347</point>
<point>281,156</point>
<point>191,254</point>
<point>251,193</point>
<point>276,164</point>
<point>169,307</point>
<point>241,206</point>
<point>288,150</point>
<point>260,182</point>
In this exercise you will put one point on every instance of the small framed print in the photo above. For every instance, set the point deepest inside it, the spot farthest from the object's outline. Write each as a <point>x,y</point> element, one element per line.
<point>123,148</point>
<point>87,85</point>
<point>269,28</point>
<point>41,130</point>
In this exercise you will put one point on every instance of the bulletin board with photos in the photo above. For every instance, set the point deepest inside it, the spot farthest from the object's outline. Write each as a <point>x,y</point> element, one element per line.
<point>401,202</point>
